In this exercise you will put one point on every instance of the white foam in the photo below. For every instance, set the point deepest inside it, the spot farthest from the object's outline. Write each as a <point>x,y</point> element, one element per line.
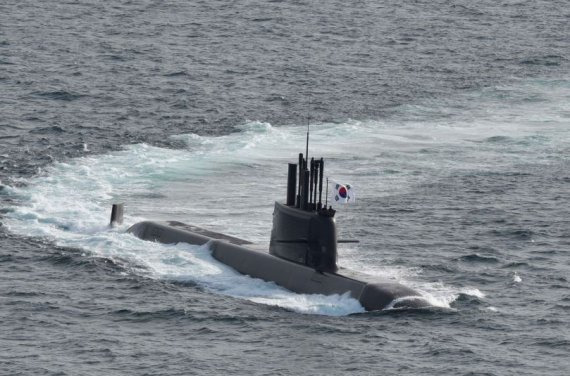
<point>185,263</point>
<point>70,204</point>
<point>516,278</point>
<point>229,183</point>
<point>436,294</point>
<point>472,292</point>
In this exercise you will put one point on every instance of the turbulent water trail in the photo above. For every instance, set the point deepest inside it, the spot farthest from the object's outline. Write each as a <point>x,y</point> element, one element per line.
<point>69,204</point>
<point>228,183</point>
<point>451,120</point>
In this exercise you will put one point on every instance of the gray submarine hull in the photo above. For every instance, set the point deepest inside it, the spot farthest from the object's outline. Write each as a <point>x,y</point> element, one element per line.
<point>302,253</point>
<point>248,259</point>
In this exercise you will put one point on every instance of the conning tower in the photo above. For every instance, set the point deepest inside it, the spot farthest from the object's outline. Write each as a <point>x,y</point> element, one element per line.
<point>304,231</point>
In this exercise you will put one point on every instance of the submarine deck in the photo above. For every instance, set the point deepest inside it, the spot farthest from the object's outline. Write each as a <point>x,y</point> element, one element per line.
<point>254,260</point>
<point>263,248</point>
<point>208,233</point>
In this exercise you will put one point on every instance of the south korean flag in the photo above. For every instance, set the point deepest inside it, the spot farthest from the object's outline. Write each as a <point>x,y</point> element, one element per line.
<point>343,193</point>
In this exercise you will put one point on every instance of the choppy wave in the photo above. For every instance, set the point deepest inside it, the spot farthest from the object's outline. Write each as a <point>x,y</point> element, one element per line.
<point>69,203</point>
<point>228,183</point>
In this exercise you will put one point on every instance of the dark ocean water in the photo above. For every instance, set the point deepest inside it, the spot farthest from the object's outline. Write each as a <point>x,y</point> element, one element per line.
<point>451,118</point>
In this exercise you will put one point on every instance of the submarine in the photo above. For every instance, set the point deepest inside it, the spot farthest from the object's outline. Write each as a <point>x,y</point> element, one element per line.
<point>302,255</point>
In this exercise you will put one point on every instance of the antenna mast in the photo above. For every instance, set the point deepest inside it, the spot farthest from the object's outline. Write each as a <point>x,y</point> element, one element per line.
<point>307,148</point>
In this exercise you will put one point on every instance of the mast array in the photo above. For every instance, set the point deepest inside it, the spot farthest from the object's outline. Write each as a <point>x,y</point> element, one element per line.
<point>308,193</point>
